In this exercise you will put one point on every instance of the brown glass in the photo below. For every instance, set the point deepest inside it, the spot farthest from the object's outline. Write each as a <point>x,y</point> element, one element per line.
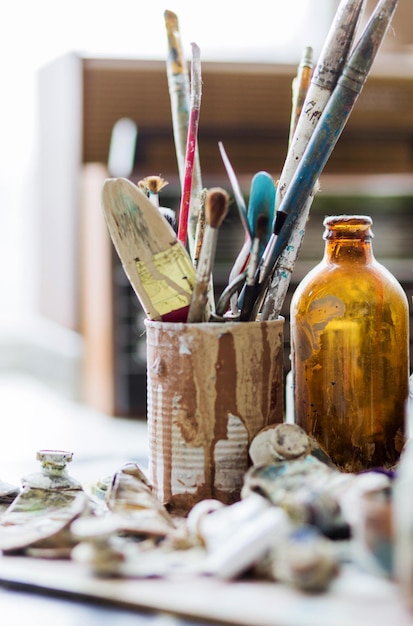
<point>350,351</point>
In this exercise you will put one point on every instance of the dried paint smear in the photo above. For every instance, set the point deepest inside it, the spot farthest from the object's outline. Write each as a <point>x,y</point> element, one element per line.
<point>211,388</point>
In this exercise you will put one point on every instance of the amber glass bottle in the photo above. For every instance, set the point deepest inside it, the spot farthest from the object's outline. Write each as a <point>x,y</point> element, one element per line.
<point>350,351</point>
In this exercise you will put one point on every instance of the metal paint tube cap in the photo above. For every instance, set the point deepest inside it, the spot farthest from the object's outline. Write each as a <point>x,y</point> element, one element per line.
<point>53,473</point>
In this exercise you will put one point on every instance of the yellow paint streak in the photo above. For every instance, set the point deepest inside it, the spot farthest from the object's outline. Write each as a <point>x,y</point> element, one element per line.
<point>168,279</point>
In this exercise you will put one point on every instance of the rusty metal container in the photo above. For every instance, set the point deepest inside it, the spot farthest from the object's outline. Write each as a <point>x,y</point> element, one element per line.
<point>211,388</point>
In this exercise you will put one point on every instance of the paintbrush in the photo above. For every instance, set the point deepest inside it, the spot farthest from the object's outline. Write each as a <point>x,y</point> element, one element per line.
<point>200,229</point>
<point>122,147</point>
<point>199,238</point>
<point>261,200</point>
<point>233,287</point>
<point>151,186</point>
<point>325,137</point>
<point>329,66</point>
<point>326,73</point>
<point>259,241</point>
<point>216,208</point>
<point>195,105</point>
<point>301,83</point>
<point>241,261</point>
<point>179,92</point>
<point>280,280</point>
<point>155,262</point>
<point>239,198</point>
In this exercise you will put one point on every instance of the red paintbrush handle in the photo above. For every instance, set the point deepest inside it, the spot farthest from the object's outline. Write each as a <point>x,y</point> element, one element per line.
<point>189,169</point>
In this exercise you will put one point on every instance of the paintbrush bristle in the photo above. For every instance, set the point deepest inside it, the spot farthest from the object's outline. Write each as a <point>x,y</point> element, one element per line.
<point>216,206</point>
<point>152,184</point>
<point>170,17</point>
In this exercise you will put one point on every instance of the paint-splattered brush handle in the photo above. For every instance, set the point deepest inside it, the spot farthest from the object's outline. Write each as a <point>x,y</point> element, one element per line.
<point>329,128</point>
<point>329,66</point>
<point>179,92</point>
<point>191,145</point>
<point>197,309</point>
<point>155,262</point>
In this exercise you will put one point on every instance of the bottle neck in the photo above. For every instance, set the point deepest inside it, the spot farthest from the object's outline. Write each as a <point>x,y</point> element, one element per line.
<point>348,239</point>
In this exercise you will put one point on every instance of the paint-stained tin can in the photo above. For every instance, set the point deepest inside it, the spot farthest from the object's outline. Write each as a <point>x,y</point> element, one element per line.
<point>211,388</point>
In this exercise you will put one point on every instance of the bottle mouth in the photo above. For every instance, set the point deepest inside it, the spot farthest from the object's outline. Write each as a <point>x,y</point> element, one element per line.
<point>348,227</point>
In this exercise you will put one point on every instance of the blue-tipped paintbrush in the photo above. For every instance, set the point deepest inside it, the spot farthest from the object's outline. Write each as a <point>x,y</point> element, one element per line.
<point>261,203</point>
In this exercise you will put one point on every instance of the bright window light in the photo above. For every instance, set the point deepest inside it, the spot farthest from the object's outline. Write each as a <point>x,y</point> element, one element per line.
<point>34,33</point>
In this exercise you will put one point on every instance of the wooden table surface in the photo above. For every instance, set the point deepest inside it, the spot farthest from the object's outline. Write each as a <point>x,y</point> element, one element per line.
<point>354,598</point>
<point>37,591</point>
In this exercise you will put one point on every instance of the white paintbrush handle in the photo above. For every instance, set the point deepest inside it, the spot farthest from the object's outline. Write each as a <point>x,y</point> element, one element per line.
<point>197,308</point>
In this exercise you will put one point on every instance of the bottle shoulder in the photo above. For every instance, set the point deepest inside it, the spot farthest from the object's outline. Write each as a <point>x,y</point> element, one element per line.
<point>350,282</point>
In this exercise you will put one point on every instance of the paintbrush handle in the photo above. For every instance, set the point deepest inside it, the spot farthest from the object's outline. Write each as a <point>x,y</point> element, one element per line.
<point>122,148</point>
<point>240,264</point>
<point>197,312</point>
<point>179,93</point>
<point>331,61</point>
<point>197,308</point>
<point>179,90</point>
<point>234,287</point>
<point>300,87</point>
<point>239,198</point>
<point>249,289</point>
<point>191,144</point>
<point>329,129</point>
<point>280,281</point>
<point>200,230</point>
<point>326,72</point>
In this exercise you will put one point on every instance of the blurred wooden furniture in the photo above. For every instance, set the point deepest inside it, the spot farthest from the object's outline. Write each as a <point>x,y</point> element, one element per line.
<point>247,106</point>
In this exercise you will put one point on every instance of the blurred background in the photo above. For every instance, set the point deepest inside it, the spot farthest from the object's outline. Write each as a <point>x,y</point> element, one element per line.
<point>71,70</point>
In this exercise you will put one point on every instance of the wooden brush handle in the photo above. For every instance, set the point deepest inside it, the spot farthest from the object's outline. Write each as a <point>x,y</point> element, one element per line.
<point>197,309</point>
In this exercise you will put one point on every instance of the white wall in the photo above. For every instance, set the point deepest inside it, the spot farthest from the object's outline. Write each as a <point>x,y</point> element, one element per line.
<point>35,32</point>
